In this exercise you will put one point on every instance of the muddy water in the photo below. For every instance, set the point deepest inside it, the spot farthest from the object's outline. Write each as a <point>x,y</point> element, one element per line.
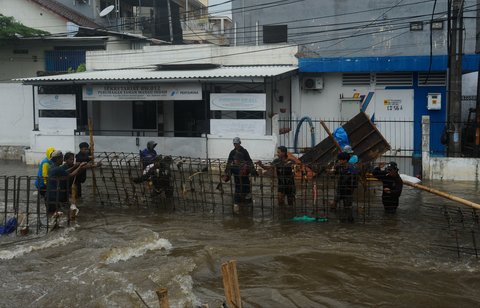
<point>113,254</point>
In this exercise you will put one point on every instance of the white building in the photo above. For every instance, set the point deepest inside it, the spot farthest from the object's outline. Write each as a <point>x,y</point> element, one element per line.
<point>190,99</point>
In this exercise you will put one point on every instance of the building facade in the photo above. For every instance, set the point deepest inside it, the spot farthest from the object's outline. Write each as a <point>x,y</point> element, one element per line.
<point>387,58</point>
<point>191,106</point>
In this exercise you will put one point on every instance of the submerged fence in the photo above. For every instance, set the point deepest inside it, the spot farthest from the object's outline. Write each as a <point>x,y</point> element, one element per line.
<point>196,185</point>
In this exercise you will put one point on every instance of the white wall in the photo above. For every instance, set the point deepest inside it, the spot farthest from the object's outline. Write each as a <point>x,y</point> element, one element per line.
<point>39,142</point>
<point>262,148</point>
<point>323,104</point>
<point>454,169</point>
<point>21,65</point>
<point>206,53</point>
<point>259,148</point>
<point>16,118</point>
<point>33,15</point>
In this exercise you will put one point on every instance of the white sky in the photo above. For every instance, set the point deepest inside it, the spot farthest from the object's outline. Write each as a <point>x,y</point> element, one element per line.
<point>223,9</point>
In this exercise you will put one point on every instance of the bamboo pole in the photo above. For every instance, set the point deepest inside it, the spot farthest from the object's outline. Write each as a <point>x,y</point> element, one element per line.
<point>444,195</point>
<point>162,294</point>
<point>92,151</point>
<point>230,284</point>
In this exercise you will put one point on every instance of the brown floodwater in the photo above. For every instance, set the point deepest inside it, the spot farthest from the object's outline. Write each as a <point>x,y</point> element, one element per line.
<point>111,254</point>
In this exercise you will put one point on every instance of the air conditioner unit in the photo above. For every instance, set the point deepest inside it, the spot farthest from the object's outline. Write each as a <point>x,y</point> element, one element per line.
<point>313,83</point>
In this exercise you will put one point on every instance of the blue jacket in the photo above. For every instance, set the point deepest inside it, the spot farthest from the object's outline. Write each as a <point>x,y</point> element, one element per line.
<point>147,157</point>
<point>40,182</point>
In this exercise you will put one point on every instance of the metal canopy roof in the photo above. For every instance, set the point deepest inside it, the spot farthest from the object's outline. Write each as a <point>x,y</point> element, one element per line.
<point>150,75</point>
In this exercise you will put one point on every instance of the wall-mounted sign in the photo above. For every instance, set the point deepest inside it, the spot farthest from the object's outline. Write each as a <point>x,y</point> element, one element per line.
<point>56,102</point>
<point>393,104</point>
<point>143,92</point>
<point>223,127</point>
<point>238,101</point>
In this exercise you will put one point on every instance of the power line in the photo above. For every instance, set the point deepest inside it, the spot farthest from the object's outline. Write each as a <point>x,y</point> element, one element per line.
<point>300,44</point>
<point>278,3</point>
<point>196,47</point>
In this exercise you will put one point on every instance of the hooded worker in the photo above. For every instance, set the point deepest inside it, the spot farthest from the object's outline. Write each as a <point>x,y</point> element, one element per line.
<point>392,185</point>
<point>42,174</point>
<point>148,155</point>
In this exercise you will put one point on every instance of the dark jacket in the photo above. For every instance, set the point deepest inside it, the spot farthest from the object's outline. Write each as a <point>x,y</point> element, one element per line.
<point>390,180</point>
<point>82,174</point>
<point>246,158</point>
<point>147,157</point>
<point>347,178</point>
<point>57,184</point>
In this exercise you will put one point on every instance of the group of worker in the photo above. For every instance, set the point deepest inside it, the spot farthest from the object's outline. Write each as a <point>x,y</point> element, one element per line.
<point>60,178</point>
<point>346,168</point>
<point>58,172</point>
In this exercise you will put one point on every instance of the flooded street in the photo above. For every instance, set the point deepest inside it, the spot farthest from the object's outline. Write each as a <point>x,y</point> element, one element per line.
<point>112,254</point>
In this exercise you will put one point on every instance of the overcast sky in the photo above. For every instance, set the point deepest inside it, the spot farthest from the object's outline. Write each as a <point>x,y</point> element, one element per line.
<point>223,9</point>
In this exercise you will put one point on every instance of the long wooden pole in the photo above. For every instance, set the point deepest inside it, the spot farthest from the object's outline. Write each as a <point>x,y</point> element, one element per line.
<point>92,151</point>
<point>230,284</point>
<point>444,195</point>
<point>162,294</point>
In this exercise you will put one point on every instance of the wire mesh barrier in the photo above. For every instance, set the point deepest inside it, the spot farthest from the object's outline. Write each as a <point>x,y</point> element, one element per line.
<point>458,228</point>
<point>194,185</point>
<point>190,184</point>
<point>24,208</point>
<point>300,135</point>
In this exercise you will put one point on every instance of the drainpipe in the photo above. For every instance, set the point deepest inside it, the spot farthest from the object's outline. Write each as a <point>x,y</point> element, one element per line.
<point>33,103</point>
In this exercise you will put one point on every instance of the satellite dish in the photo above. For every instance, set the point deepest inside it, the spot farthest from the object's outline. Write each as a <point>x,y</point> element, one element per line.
<point>106,11</point>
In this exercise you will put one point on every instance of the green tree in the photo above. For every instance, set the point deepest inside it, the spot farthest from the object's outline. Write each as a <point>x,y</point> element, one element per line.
<point>10,28</point>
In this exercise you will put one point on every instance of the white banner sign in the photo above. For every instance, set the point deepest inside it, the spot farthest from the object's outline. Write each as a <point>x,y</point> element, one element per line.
<point>237,127</point>
<point>238,101</point>
<point>60,126</point>
<point>56,102</point>
<point>143,92</point>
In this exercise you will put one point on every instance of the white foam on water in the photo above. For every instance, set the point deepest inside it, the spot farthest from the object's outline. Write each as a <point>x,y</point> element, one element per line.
<point>187,298</point>
<point>21,250</point>
<point>137,249</point>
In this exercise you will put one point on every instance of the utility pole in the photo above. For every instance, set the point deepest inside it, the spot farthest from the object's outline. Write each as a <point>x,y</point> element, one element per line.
<point>477,105</point>
<point>170,27</point>
<point>455,50</point>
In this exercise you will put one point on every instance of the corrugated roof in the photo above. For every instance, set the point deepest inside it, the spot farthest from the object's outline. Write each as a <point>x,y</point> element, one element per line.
<point>152,74</point>
<point>67,13</point>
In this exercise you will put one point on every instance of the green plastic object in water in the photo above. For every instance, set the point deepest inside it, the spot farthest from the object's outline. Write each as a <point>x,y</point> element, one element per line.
<point>308,218</point>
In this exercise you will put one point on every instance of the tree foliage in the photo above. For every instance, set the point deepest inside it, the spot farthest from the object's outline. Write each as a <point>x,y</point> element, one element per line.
<point>10,28</point>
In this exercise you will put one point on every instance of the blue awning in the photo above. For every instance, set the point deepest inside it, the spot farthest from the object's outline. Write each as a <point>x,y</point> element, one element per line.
<point>384,64</point>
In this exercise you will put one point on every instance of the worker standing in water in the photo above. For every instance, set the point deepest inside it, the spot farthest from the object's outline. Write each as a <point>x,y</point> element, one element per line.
<point>392,185</point>
<point>285,176</point>
<point>42,174</point>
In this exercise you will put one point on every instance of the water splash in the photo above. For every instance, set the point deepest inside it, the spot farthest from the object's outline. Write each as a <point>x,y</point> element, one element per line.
<point>21,250</point>
<point>137,249</point>
<point>187,297</point>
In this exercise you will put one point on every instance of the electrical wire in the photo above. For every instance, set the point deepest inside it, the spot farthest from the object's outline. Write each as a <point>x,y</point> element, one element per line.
<point>301,44</point>
<point>259,5</point>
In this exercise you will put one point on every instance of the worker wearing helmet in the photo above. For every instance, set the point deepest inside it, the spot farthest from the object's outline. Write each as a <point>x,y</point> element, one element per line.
<point>42,174</point>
